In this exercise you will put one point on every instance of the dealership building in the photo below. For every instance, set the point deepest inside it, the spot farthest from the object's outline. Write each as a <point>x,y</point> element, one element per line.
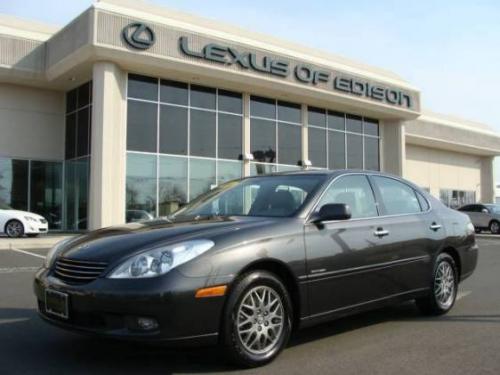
<point>136,107</point>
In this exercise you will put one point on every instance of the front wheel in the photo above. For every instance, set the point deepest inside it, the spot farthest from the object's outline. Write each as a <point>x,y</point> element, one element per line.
<point>257,320</point>
<point>444,287</point>
<point>14,229</point>
<point>495,227</point>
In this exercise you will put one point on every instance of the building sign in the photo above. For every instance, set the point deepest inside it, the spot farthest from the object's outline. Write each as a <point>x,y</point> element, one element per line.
<point>304,73</point>
<point>138,35</point>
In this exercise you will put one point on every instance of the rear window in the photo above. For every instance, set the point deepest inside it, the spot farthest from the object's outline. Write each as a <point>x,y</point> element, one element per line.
<point>397,197</point>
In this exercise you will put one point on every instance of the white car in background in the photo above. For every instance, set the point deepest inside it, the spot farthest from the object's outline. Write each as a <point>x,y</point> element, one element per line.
<point>16,223</point>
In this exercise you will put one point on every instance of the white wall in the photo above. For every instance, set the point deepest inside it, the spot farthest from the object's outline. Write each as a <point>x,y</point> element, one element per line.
<point>439,169</point>
<point>31,123</point>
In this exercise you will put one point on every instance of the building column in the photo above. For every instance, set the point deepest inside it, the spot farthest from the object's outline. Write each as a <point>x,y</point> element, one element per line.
<point>487,180</point>
<point>393,147</point>
<point>108,146</point>
<point>246,134</point>
<point>305,136</point>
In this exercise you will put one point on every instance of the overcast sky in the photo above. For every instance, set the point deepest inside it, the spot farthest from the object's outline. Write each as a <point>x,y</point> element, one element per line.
<point>449,49</point>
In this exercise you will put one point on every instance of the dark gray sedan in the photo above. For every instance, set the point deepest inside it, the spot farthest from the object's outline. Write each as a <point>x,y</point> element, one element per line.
<point>247,263</point>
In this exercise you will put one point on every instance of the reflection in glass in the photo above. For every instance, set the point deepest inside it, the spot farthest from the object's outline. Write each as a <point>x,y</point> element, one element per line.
<point>76,182</point>
<point>370,127</point>
<point>141,182</point>
<point>263,107</point>
<point>354,124</point>
<point>14,183</point>
<point>371,154</point>
<point>173,130</point>
<point>46,191</point>
<point>172,184</point>
<point>202,97</point>
<point>230,133</point>
<point>82,139</point>
<point>317,147</point>
<point>228,170</point>
<point>354,151</point>
<point>316,116</point>
<point>336,120</point>
<point>336,150</point>
<point>70,136</point>
<point>202,133</point>
<point>141,126</point>
<point>263,140</point>
<point>289,144</point>
<point>230,102</point>
<point>174,92</point>
<point>201,176</point>
<point>142,87</point>
<point>261,168</point>
<point>289,112</point>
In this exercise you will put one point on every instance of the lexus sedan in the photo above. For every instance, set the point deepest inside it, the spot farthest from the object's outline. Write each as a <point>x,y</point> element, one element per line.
<point>484,216</point>
<point>15,223</point>
<point>247,263</point>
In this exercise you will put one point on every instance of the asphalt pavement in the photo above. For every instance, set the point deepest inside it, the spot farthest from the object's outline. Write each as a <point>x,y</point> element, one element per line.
<point>395,340</point>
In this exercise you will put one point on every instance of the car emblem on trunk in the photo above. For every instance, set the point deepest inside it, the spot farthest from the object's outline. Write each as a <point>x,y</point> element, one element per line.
<point>138,35</point>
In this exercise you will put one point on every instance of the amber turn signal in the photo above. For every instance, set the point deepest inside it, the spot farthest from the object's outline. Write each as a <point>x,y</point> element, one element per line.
<point>214,291</point>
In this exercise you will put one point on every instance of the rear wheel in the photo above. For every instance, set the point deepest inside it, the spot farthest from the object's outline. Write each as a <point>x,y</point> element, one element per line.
<point>444,287</point>
<point>495,227</point>
<point>258,319</point>
<point>14,229</point>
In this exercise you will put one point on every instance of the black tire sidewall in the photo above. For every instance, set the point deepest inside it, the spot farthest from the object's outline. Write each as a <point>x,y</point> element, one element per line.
<point>444,257</point>
<point>230,336</point>
<point>11,221</point>
<point>491,225</point>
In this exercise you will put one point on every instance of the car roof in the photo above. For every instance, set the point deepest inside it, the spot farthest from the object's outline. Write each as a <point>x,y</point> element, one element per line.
<point>329,172</point>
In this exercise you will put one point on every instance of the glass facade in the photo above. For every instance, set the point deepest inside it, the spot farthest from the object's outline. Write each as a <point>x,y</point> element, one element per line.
<point>77,156</point>
<point>33,185</point>
<point>182,140</point>
<point>339,140</point>
<point>457,198</point>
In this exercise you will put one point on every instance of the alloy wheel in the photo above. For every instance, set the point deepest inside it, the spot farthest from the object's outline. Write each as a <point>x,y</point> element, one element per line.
<point>14,229</point>
<point>260,319</point>
<point>444,285</point>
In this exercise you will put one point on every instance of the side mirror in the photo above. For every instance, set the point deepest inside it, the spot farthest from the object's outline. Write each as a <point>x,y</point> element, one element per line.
<point>334,211</point>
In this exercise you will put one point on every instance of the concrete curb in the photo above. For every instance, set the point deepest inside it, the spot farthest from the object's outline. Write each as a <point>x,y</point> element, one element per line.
<point>31,243</point>
<point>489,236</point>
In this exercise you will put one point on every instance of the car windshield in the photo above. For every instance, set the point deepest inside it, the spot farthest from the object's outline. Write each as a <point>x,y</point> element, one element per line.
<point>275,196</point>
<point>494,208</point>
<point>4,206</point>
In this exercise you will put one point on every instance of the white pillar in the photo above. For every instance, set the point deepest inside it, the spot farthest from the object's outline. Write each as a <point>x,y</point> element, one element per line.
<point>305,135</point>
<point>108,146</point>
<point>393,148</point>
<point>246,134</point>
<point>487,180</point>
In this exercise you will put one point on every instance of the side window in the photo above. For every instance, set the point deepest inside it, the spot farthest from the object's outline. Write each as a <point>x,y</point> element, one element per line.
<point>424,205</point>
<point>465,208</point>
<point>356,192</point>
<point>398,198</point>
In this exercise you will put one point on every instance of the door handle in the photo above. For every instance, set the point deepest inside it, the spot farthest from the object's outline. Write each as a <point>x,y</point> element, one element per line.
<point>435,226</point>
<point>381,232</point>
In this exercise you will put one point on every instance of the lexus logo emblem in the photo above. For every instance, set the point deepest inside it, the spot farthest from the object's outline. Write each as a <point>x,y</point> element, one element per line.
<point>138,35</point>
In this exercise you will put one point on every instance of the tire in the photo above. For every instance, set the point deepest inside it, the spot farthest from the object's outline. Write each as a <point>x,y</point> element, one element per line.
<point>440,301</point>
<point>32,235</point>
<point>495,227</point>
<point>14,229</point>
<point>478,230</point>
<point>255,318</point>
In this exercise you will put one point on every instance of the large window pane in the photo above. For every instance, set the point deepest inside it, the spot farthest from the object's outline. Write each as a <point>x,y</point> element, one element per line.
<point>76,194</point>
<point>371,127</point>
<point>228,170</point>
<point>230,102</point>
<point>354,124</point>
<point>46,191</point>
<point>230,136</point>
<point>261,168</point>
<point>316,117</point>
<point>202,133</point>
<point>289,144</point>
<point>141,182</point>
<point>317,147</point>
<point>70,136</point>
<point>336,150</point>
<point>289,112</point>
<point>173,130</point>
<point>263,140</point>
<point>202,97</point>
<point>84,95</point>
<point>172,184</point>
<point>371,154</point>
<point>354,151</point>
<point>336,120</point>
<point>141,87</point>
<point>262,107</point>
<point>14,183</point>
<point>141,126</point>
<point>71,100</point>
<point>82,139</point>
<point>174,92</point>
<point>201,176</point>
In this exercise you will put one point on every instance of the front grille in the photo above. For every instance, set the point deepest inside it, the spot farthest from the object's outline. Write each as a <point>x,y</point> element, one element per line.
<point>78,271</point>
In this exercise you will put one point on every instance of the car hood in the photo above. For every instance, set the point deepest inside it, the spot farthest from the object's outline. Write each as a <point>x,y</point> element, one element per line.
<point>114,243</point>
<point>21,214</point>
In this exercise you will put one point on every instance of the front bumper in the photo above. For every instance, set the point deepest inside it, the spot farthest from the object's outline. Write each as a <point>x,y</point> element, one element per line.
<point>36,228</point>
<point>110,307</point>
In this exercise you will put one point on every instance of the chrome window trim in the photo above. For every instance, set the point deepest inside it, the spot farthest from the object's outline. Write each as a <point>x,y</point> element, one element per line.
<point>316,203</point>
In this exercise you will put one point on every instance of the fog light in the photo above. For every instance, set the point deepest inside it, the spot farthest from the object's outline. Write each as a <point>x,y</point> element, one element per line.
<point>147,324</point>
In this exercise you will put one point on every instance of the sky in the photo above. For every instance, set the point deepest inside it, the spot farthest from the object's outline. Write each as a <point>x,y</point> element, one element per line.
<point>449,49</point>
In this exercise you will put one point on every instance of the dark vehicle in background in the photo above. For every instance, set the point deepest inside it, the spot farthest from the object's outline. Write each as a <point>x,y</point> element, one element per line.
<point>247,263</point>
<point>483,216</point>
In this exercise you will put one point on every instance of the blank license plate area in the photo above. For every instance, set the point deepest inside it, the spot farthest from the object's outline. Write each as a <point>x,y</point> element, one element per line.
<point>56,303</point>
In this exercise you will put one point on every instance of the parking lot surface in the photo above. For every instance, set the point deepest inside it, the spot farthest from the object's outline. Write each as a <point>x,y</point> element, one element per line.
<point>395,340</point>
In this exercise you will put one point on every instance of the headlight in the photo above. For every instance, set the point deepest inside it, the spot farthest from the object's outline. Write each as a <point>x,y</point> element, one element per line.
<point>49,259</point>
<point>159,261</point>
<point>29,218</point>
